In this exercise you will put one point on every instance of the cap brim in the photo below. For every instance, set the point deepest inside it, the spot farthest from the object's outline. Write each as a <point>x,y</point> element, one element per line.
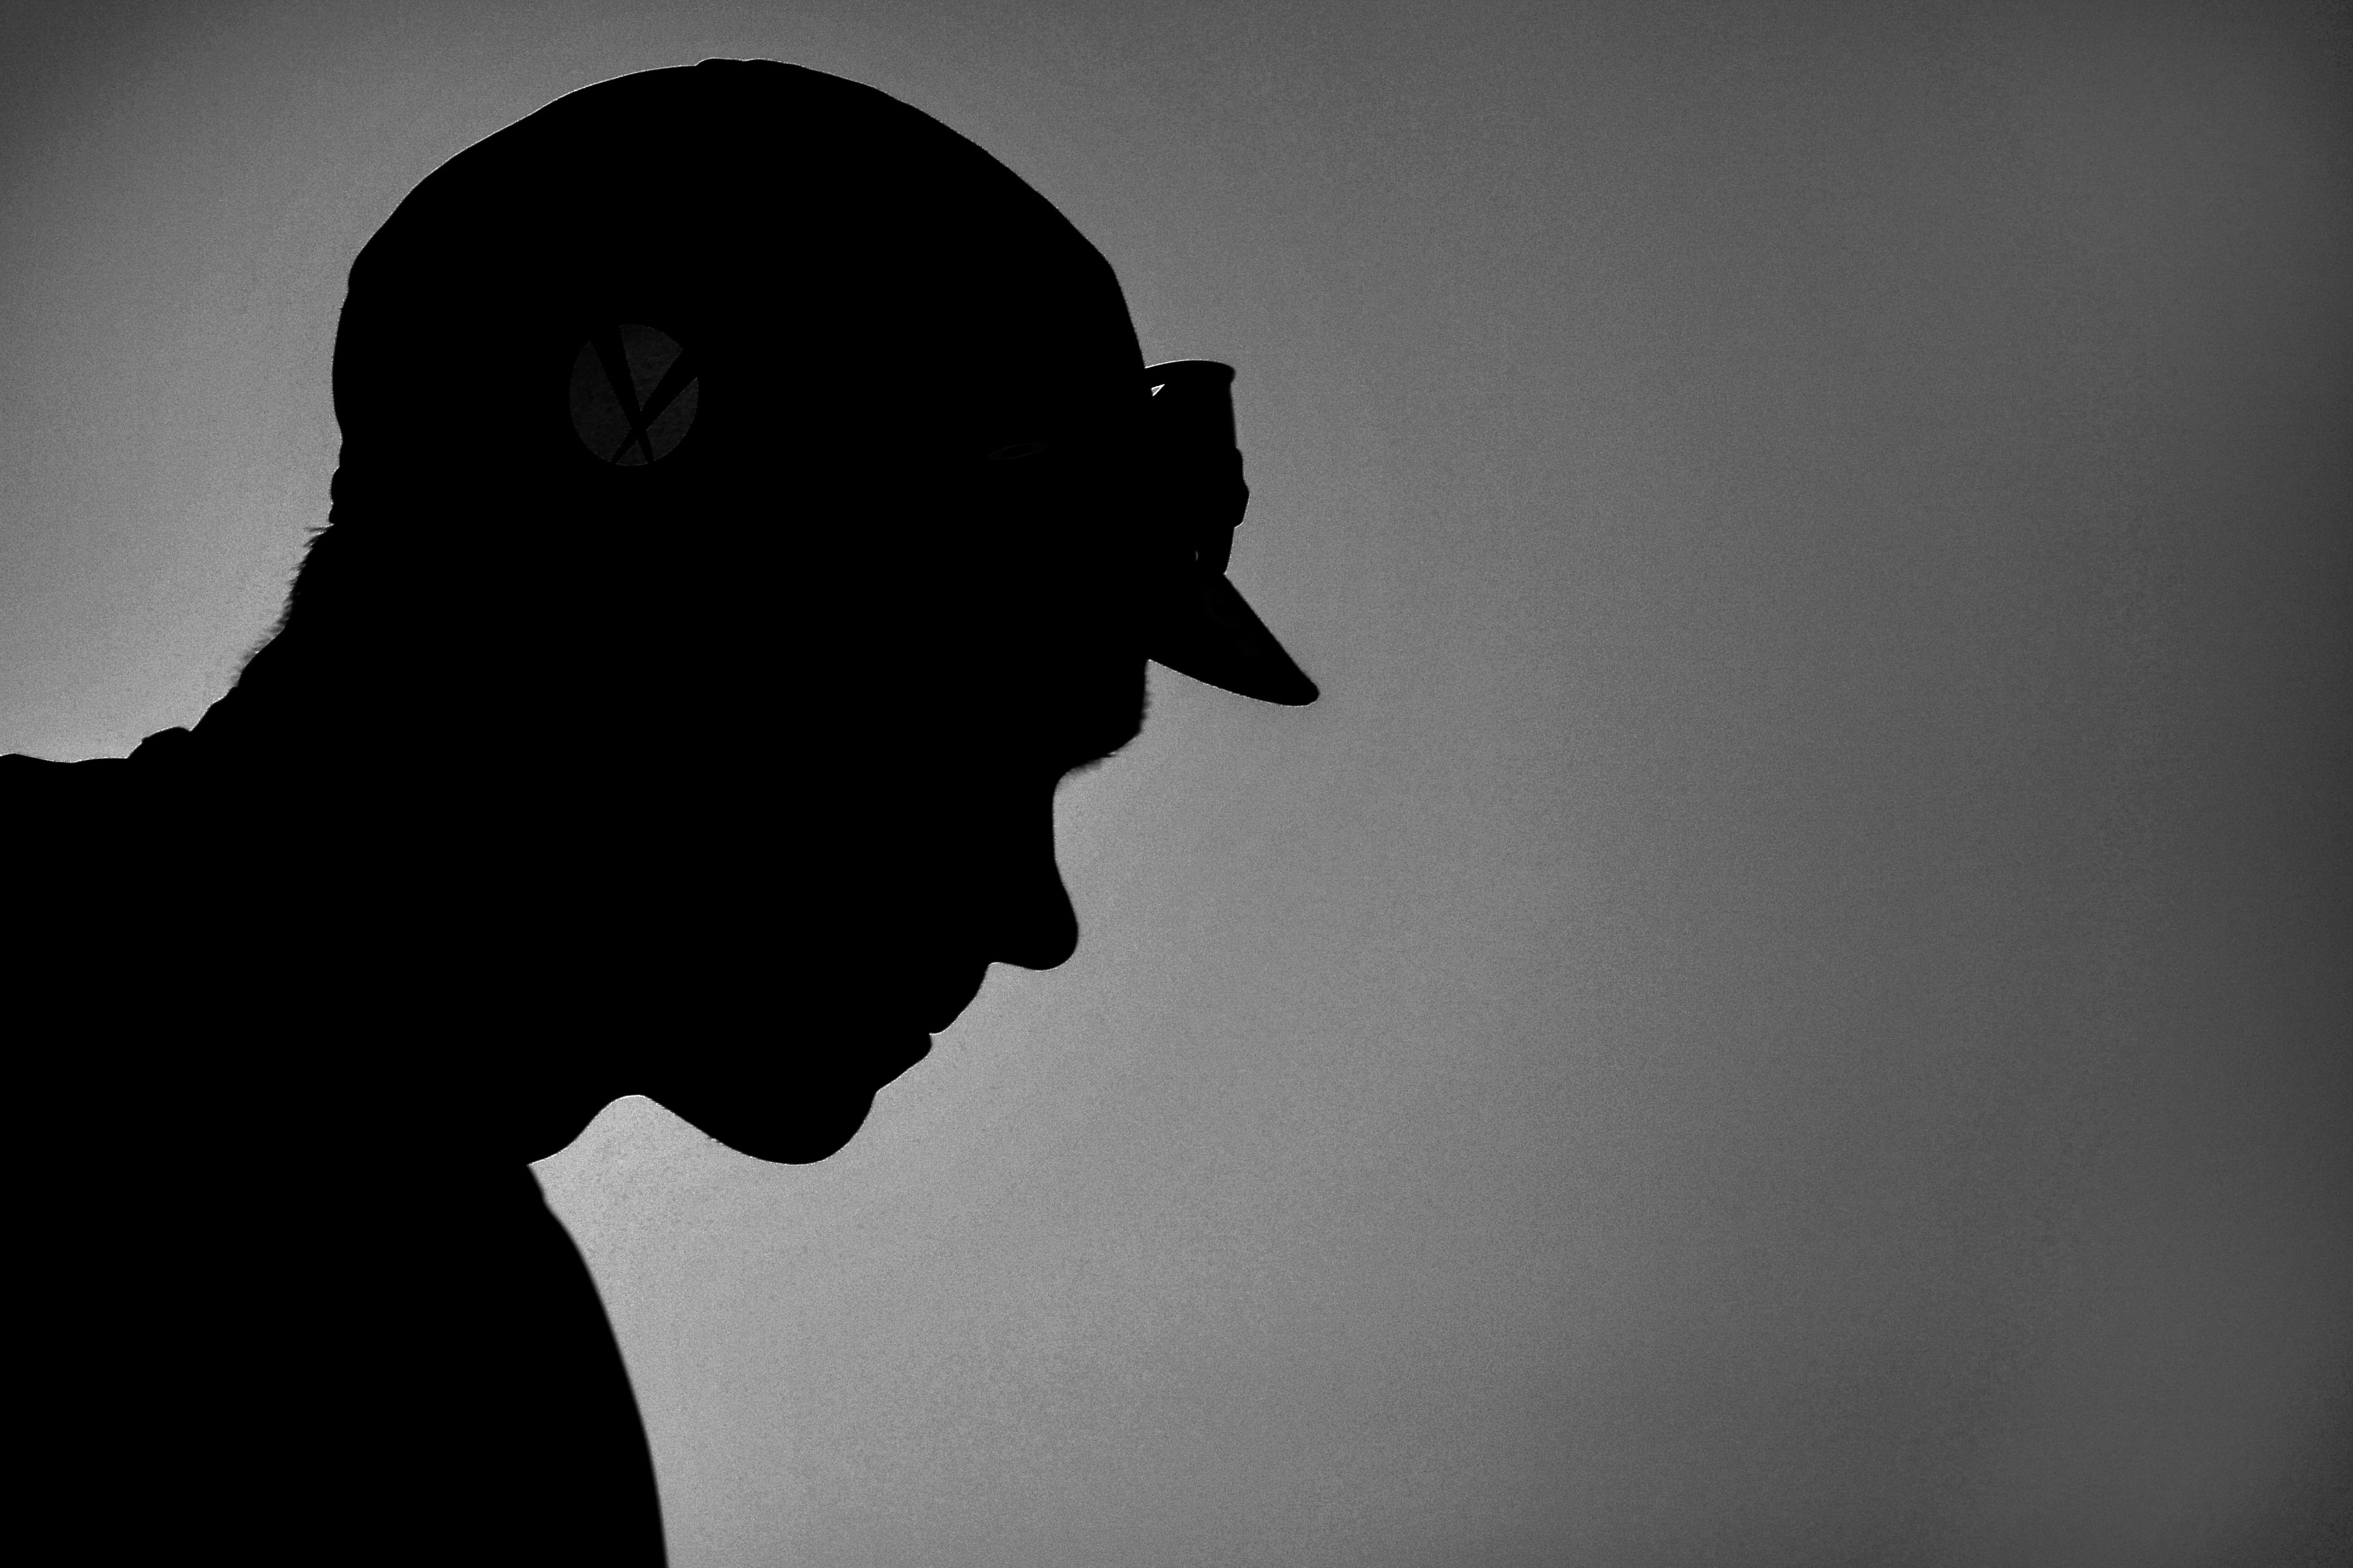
<point>1208,631</point>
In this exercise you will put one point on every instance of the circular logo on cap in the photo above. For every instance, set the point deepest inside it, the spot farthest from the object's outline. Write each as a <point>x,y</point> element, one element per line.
<point>633,395</point>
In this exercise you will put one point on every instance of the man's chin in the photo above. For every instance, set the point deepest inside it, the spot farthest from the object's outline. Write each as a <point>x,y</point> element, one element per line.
<point>805,1139</point>
<point>791,1118</point>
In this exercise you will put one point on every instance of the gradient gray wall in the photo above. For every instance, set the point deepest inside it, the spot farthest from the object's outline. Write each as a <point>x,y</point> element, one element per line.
<point>1789,1004</point>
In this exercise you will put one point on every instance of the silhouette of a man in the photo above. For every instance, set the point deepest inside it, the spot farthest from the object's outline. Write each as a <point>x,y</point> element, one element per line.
<point>753,504</point>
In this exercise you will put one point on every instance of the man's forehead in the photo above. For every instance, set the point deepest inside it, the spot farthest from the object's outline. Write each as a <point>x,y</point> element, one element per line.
<point>1096,729</point>
<point>1062,702</point>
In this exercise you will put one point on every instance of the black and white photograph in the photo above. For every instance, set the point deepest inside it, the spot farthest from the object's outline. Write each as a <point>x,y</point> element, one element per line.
<point>1073,784</point>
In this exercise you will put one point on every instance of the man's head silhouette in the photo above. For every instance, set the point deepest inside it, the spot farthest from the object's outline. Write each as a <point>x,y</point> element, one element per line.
<point>753,502</point>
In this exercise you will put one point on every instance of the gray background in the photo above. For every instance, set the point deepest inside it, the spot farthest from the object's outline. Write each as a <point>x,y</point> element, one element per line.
<point>1788,1006</point>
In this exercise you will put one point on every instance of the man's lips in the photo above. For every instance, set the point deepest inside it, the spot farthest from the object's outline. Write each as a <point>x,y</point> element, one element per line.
<point>937,1006</point>
<point>899,1060</point>
<point>945,1001</point>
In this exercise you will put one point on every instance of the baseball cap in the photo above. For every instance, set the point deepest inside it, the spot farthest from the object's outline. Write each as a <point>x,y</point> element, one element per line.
<point>1205,628</point>
<point>658,278</point>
